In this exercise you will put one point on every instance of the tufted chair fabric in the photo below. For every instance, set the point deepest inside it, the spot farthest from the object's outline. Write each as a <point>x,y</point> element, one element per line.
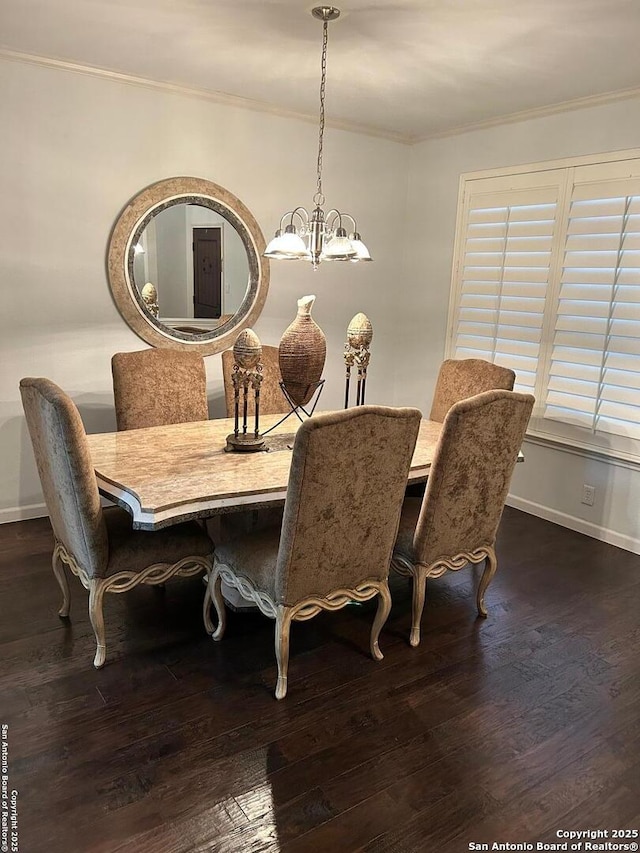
<point>272,400</point>
<point>459,379</point>
<point>98,545</point>
<point>155,387</point>
<point>468,484</point>
<point>348,475</point>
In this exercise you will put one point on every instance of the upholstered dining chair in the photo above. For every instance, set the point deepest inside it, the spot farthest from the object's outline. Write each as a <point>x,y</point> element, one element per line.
<point>462,378</point>
<point>348,474</point>
<point>272,400</point>
<point>457,520</point>
<point>154,387</point>
<point>98,545</point>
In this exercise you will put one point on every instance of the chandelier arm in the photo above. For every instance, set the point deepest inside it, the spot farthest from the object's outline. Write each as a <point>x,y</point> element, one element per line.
<point>349,216</point>
<point>332,215</point>
<point>289,214</point>
<point>296,212</point>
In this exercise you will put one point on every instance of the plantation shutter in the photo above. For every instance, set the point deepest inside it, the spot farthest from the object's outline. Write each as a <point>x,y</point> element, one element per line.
<point>594,372</point>
<point>546,281</point>
<point>503,276</point>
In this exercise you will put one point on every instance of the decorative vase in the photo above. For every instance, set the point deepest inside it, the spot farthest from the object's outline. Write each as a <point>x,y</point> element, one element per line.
<point>302,353</point>
<point>247,378</point>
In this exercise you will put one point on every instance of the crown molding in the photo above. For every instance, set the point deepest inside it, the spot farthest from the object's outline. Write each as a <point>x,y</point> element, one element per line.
<point>534,112</point>
<point>203,94</point>
<point>352,127</point>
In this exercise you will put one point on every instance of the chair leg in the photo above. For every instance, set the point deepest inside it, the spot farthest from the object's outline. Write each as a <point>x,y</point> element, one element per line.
<point>215,590</point>
<point>206,610</point>
<point>417,605</point>
<point>489,571</point>
<point>382,614</point>
<point>283,625</point>
<point>61,577</point>
<point>96,593</point>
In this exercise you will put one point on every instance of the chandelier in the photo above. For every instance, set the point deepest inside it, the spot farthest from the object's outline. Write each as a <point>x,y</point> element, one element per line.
<point>318,237</point>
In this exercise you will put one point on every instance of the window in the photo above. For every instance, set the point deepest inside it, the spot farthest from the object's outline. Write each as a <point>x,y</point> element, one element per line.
<point>547,282</point>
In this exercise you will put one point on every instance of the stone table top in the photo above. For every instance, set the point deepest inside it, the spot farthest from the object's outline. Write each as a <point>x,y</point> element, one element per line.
<point>167,474</point>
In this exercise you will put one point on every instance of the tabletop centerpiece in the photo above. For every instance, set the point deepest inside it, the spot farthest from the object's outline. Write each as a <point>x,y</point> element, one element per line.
<point>247,375</point>
<point>357,354</point>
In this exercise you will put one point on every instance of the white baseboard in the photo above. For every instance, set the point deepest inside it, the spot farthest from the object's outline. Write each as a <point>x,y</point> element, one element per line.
<point>22,513</point>
<point>596,531</point>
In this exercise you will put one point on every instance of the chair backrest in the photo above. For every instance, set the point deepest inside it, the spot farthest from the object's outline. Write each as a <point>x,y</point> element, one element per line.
<point>348,476</point>
<point>462,378</point>
<point>470,474</point>
<point>155,387</point>
<point>272,400</point>
<point>66,473</point>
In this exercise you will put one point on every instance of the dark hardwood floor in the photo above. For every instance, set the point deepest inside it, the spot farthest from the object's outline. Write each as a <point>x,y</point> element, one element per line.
<point>506,729</point>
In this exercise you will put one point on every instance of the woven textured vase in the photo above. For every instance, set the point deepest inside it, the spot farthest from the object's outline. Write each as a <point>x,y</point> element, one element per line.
<point>302,353</point>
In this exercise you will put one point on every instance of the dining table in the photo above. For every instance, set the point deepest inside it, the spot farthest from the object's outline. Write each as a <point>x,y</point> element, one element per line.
<point>167,474</point>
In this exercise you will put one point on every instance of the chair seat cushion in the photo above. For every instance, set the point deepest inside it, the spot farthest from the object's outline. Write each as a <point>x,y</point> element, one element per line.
<point>134,550</point>
<point>253,557</point>
<point>408,521</point>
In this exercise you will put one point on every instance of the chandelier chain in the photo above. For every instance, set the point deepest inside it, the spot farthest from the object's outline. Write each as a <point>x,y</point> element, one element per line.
<point>319,197</point>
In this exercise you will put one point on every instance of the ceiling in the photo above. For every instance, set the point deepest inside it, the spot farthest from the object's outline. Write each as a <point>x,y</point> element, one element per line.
<point>405,68</point>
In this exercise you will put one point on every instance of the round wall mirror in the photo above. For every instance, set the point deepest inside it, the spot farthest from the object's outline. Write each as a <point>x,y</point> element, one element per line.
<point>185,265</point>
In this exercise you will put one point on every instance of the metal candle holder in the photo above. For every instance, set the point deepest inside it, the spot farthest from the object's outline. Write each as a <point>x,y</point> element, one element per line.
<point>246,377</point>
<point>356,354</point>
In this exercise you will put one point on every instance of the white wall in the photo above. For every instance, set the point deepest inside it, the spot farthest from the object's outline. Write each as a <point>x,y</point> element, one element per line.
<point>76,149</point>
<point>550,481</point>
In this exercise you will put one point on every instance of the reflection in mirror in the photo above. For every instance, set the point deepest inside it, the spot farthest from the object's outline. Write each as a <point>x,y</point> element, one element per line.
<point>190,268</point>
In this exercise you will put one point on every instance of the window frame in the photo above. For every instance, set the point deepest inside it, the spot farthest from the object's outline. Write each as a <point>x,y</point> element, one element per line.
<point>563,435</point>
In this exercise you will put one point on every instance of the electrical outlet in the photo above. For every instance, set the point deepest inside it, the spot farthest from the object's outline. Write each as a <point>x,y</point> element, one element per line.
<point>588,494</point>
